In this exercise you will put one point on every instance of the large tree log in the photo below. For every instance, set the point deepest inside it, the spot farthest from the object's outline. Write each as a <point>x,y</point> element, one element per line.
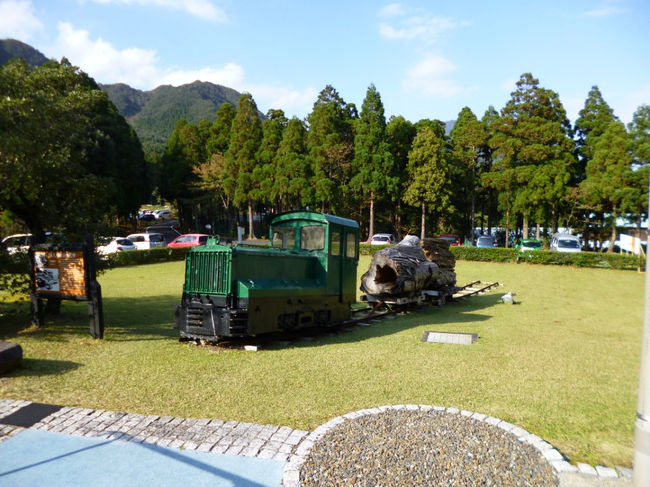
<point>407,267</point>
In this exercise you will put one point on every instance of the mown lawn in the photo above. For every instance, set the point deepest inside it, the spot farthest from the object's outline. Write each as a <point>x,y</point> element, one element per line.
<point>563,363</point>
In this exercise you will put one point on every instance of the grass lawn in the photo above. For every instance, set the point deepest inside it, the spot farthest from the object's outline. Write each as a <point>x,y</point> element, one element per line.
<point>562,364</point>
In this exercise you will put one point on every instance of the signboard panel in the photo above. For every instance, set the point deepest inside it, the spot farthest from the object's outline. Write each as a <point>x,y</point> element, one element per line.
<point>60,272</point>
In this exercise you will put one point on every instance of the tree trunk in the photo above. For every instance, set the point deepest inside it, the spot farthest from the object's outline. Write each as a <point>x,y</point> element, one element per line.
<point>251,232</point>
<point>525,230</point>
<point>371,223</point>
<point>537,231</point>
<point>612,238</point>
<point>422,223</point>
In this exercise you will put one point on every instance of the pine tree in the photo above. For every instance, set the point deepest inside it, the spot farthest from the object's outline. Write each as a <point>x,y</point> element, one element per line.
<point>469,140</point>
<point>373,162</point>
<point>330,142</point>
<point>534,155</point>
<point>292,188</point>
<point>608,171</point>
<point>429,173</point>
<point>240,161</point>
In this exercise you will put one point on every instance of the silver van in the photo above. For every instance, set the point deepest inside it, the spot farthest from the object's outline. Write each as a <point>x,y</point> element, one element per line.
<point>565,242</point>
<point>144,241</point>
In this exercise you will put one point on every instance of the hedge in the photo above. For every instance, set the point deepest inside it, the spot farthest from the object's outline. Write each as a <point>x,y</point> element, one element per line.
<point>542,257</point>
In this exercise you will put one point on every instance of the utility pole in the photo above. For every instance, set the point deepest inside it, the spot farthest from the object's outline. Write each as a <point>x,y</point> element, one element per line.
<point>642,423</point>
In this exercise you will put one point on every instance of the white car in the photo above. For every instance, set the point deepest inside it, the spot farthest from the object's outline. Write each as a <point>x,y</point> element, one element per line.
<point>144,241</point>
<point>382,239</point>
<point>564,242</point>
<point>116,244</point>
<point>14,244</point>
<point>162,214</point>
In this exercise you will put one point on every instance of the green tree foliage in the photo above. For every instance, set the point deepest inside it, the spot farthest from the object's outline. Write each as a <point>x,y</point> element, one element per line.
<point>219,139</point>
<point>373,162</point>
<point>67,158</point>
<point>330,142</point>
<point>184,151</point>
<point>400,134</point>
<point>240,158</point>
<point>534,155</point>
<point>429,174</point>
<point>592,122</point>
<point>605,187</point>
<point>639,130</point>
<point>469,144</point>
<point>292,171</point>
<point>264,175</point>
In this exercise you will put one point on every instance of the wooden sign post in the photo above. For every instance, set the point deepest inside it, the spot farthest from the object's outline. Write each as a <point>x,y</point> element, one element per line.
<point>66,271</point>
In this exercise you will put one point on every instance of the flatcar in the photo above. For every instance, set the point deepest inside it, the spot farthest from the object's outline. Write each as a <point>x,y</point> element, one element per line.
<point>305,277</point>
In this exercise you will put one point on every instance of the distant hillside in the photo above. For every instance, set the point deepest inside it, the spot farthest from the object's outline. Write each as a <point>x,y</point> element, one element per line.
<point>11,48</point>
<point>154,114</point>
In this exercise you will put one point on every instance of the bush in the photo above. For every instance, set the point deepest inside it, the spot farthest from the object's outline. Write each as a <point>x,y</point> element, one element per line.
<point>138,257</point>
<point>14,273</point>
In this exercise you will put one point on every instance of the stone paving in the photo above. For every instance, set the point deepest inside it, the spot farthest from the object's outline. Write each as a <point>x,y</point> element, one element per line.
<point>206,435</point>
<point>267,441</point>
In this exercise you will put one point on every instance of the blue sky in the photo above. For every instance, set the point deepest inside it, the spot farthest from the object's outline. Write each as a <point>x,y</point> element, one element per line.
<point>427,59</point>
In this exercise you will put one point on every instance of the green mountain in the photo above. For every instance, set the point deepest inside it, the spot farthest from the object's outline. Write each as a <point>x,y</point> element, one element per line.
<point>154,114</point>
<point>11,48</point>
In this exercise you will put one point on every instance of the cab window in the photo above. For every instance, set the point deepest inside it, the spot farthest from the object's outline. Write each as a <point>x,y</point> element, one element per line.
<point>312,237</point>
<point>351,245</point>
<point>335,243</point>
<point>284,238</point>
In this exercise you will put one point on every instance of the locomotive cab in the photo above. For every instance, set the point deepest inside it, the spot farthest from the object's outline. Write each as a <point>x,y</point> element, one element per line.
<point>306,277</point>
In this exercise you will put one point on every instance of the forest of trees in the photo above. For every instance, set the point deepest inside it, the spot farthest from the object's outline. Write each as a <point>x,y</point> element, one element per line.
<point>524,169</point>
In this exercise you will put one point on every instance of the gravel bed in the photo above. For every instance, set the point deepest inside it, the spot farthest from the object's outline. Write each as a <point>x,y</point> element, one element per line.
<point>423,448</point>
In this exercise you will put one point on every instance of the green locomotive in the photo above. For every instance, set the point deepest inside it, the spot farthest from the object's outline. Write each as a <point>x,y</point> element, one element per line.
<point>306,277</point>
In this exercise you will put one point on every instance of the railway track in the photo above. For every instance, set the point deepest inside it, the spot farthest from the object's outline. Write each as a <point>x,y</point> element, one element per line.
<point>378,307</point>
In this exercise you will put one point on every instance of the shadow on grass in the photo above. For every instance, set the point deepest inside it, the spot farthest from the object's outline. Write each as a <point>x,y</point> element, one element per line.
<point>32,367</point>
<point>149,317</point>
<point>459,312</point>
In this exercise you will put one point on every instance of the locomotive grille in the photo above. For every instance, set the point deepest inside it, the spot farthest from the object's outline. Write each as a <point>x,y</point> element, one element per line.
<point>195,316</point>
<point>209,273</point>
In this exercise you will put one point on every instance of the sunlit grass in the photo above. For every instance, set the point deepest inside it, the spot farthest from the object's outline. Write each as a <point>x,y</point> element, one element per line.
<point>563,363</point>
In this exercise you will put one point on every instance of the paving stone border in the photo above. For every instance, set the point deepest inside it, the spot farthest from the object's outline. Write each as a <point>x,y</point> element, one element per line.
<point>207,435</point>
<point>291,477</point>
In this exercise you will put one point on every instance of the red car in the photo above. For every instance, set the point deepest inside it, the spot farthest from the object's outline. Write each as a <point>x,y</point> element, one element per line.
<point>188,240</point>
<point>454,240</point>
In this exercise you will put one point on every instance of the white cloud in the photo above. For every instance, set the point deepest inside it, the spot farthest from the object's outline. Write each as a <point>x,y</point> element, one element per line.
<point>204,9</point>
<point>230,75</point>
<point>18,20</point>
<point>430,78</point>
<point>293,102</point>
<point>392,10</point>
<point>105,63</point>
<point>603,12</point>
<point>140,69</point>
<point>413,24</point>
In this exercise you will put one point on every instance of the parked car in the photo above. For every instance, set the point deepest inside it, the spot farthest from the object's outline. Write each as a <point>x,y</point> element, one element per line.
<point>144,241</point>
<point>162,214</point>
<point>188,240</point>
<point>486,241</point>
<point>565,242</point>
<point>116,244</point>
<point>382,239</point>
<point>14,244</point>
<point>528,244</point>
<point>454,240</point>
